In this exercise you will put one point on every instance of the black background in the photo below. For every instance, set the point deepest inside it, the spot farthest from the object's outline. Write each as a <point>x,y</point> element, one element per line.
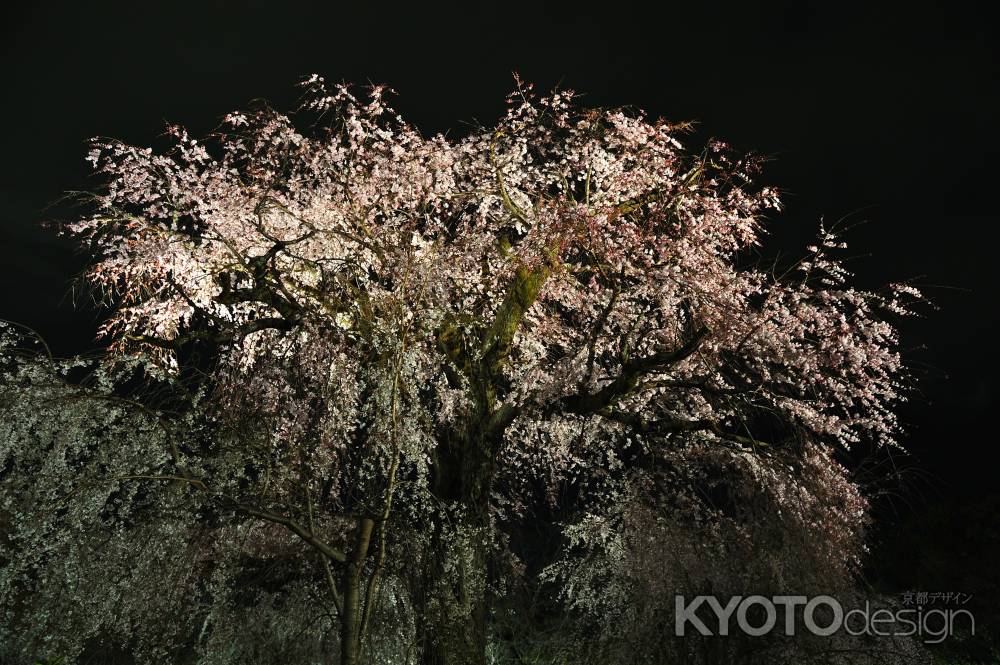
<point>882,115</point>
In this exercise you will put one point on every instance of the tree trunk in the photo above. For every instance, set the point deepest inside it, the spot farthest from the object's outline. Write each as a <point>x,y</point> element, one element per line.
<point>350,637</point>
<point>456,603</point>
<point>457,596</point>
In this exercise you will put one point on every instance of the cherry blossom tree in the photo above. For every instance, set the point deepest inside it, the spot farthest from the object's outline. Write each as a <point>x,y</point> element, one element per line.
<point>346,360</point>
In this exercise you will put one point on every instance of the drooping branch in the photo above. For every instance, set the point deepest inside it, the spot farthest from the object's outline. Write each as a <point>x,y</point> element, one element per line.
<point>305,534</point>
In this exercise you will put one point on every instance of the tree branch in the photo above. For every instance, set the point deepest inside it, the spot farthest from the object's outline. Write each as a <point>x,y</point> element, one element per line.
<point>295,528</point>
<point>675,425</point>
<point>628,379</point>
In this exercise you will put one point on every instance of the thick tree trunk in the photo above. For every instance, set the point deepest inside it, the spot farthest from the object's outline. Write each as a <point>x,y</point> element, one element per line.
<point>457,596</point>
<point>464,474</point>
<point>456,592</point>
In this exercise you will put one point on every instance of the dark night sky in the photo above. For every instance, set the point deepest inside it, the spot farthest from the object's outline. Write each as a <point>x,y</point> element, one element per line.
<point>887,116</point>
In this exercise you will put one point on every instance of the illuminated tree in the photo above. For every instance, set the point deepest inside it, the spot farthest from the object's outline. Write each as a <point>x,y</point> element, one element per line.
<point>366,353</point>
